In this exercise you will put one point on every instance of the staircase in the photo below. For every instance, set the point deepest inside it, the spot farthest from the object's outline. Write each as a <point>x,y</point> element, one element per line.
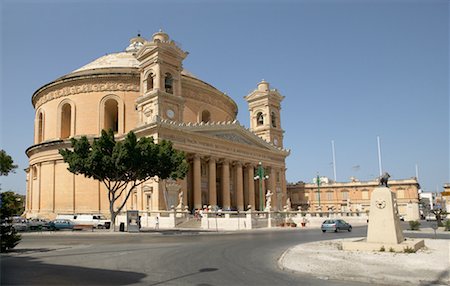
<point>191,223</point>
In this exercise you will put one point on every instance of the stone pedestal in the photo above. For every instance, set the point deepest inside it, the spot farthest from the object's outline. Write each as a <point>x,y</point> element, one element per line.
<point>384,231</point>
<point>384,225</point>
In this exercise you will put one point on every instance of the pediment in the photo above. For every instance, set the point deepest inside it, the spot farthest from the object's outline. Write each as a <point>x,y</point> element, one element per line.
<point>235,134</point>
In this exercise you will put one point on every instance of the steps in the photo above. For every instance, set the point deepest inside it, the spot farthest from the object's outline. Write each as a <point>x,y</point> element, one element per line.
<point>191,223</point>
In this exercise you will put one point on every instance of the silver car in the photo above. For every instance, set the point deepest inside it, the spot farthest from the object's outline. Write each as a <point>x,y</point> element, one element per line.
<point>335,225</point>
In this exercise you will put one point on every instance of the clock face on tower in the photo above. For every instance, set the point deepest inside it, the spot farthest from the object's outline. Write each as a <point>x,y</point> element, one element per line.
<point>170,113</point>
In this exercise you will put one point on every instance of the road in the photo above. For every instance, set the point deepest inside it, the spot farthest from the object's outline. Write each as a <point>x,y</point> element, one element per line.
<point>167,258</point>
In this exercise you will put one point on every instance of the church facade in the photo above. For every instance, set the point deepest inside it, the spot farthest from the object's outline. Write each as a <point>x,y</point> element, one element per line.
<point>145,89</point>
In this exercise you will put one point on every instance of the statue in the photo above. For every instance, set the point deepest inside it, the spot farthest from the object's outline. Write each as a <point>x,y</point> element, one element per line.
<point>383,180</point>
<point>180,199</point>
<point>288,206</point>
<point>268,200</point>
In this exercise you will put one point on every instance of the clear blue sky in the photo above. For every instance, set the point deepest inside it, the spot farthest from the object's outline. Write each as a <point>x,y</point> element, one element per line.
<point>350,71</point>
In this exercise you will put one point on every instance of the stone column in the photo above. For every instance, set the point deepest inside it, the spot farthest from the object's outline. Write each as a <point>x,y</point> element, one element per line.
<point>212,182</point>
<point>157,78</point>
<point>197,183</point>
<point>226,184</point>
<point>184,189</point>
<point>273,187</point>
<point>239,187</point>
<point>251,185</point>
<point>283,184</point>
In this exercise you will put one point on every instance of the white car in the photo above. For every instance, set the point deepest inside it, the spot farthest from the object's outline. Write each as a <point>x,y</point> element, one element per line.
<point>96,220</point>
<point>430,217</point>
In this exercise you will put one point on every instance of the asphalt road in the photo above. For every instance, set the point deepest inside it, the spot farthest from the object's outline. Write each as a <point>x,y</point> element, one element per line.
<point>167,258</point>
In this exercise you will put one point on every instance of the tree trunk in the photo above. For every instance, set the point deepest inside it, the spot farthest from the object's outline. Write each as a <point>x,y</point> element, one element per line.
<point>113,222</point>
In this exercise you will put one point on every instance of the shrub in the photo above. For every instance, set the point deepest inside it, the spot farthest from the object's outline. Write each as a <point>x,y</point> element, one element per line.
<point>414,225</point>
<point>391,250</point>
<point>409,250</point>
<point>382,249</point>
<point>447,225</point>
<point>9,237</point>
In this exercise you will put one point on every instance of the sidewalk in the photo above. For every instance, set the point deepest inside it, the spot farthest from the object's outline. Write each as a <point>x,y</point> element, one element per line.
<point>325,260</point>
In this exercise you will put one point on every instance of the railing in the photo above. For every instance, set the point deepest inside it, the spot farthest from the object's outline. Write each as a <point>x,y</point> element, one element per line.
<point>242,220</point>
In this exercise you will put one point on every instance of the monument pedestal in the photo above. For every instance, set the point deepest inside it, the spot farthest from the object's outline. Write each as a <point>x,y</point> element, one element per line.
<point>384,229</point>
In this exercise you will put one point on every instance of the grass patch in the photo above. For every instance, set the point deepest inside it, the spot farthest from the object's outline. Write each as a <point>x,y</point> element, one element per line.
<point>409,250</point>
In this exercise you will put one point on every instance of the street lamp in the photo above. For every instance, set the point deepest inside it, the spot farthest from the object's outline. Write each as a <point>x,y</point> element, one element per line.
<point>261,175</point>
<point>318,187</point>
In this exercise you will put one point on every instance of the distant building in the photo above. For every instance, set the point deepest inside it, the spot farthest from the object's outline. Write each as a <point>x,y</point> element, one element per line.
<point>353,196</point>
<point>446,195</point>
<point>427,201</point>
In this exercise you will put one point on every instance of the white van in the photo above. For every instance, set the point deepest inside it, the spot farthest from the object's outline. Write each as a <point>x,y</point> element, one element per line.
<point>96,220</point>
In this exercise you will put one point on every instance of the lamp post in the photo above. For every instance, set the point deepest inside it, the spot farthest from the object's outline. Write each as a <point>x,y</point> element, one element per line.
<point>261,175</point>
<point>318,187</point>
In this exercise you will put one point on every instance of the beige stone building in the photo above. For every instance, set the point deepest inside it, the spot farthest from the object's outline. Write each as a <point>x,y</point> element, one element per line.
<point>446,196</point>
<point>145,89</point>
<point>353,196</point>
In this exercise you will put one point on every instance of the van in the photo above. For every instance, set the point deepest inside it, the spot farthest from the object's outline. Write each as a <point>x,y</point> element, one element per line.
<point>96,220</point>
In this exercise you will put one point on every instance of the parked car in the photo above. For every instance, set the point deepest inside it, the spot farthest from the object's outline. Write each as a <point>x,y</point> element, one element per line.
<point>430,217</point>
<point>335,225</point>
<point>19,224</point>
<point>58,224</point>
<point>96,220</point>
<point>37,224</point>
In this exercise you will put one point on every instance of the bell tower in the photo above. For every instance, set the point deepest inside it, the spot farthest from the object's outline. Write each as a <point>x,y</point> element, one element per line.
<point>160,65</point>
<point>264,105</point>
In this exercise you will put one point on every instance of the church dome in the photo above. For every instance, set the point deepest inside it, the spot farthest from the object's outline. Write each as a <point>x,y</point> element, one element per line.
<point>115,60</point>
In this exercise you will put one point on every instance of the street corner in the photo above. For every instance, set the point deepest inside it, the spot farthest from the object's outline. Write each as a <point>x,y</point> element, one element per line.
<point>327,260</point>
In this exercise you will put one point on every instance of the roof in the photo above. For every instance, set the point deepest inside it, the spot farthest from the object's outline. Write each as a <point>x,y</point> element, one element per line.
<point>117,60</point>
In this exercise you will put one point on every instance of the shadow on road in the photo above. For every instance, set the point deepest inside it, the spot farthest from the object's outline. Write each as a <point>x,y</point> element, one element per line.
<point>29,271</point>
<point>186,275</point>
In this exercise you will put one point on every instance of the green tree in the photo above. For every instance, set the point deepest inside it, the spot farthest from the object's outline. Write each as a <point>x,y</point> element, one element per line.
<point>123,165</point>
<point>8,203</point>
<point>6,163</point>
<point>11,204</point>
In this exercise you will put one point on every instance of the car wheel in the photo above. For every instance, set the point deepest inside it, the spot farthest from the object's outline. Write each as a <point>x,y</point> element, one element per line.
<point>349,229</point>
<point>323,230</point>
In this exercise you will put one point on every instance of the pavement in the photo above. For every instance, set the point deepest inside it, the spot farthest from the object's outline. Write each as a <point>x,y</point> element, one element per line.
<point>326,260</point>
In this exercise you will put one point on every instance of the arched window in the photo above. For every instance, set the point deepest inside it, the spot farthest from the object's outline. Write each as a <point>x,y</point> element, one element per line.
<point>66,117</point>
<point>206,116</point>
<point>168,83</point>
<point>150,82</point>
<point>40,127</point>
<point>111,119</point>
<point>274,119</point>
<point>259,119</point>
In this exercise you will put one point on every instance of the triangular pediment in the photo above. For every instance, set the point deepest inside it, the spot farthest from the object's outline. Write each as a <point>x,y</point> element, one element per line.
<point>234,133</point>
<point>230,132</point>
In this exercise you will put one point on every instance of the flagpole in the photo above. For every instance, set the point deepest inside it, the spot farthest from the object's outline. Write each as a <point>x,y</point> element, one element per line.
<point>379,156</point>
<point>334,160</point>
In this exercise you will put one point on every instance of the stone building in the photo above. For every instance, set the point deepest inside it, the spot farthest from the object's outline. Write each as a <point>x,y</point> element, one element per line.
<point>353,196</point>
<point>145,89</point>
<point>446,196</point>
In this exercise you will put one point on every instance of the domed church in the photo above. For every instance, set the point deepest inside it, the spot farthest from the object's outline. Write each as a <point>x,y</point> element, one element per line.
<point>145,89</point>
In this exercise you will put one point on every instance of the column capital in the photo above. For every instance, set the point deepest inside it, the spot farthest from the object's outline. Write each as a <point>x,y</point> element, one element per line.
<point>211,158</point>
<point>237,163</point>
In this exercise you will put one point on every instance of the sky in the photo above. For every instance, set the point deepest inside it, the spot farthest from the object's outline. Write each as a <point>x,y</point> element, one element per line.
<point>350,71</point>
